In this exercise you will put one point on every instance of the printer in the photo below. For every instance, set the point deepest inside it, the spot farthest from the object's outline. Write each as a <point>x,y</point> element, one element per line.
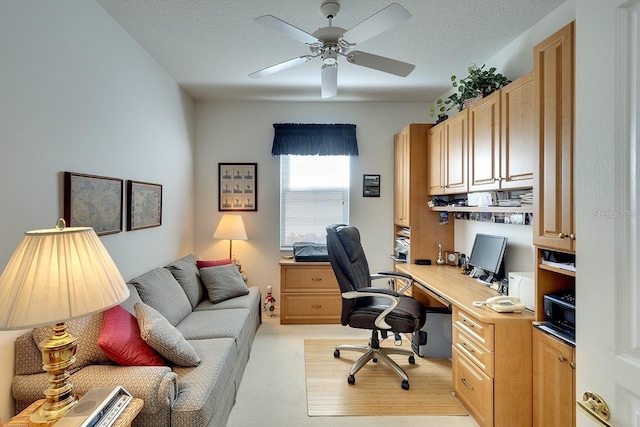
<point>522,286</point>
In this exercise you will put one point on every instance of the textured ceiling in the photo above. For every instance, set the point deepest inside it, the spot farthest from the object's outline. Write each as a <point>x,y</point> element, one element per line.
<point>210,46</point>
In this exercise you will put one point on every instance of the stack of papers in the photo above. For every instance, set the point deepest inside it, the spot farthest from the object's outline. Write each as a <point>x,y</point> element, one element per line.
<point>527,198</point>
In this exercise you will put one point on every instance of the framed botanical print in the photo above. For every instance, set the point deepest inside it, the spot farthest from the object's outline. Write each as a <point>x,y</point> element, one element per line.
<point>237,186</point>
<point>93,201</point>
<point>144,205</point>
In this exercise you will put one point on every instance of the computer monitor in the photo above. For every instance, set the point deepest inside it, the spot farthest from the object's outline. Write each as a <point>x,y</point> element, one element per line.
<point>487,254</point>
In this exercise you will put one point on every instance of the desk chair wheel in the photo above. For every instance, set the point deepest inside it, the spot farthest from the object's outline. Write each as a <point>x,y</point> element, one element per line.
<point>405,385</point>
<point>351,379</point>
<point>412,360</point>
<point>336,353</point>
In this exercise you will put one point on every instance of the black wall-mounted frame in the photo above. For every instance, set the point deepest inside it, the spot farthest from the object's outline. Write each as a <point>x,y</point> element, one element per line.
<point>237,187</point>
<point>370,185</point>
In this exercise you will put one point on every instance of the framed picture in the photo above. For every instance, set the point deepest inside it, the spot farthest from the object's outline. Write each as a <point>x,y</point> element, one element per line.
<point>237,186</point>
<point>144,205</point>
<point>93,201</point>
<point>370,185</point>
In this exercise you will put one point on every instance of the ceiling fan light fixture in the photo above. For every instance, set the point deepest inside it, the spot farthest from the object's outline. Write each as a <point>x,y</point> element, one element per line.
<point>329,57</point>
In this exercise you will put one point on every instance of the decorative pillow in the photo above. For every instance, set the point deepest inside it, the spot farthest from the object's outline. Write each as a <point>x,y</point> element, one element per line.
<point>87,330</point>
<point>159,289</point>
<point>214,263</point>
<point>121,341</point>
<point>164,337</point>
<point>186,273</point>
<point>223,282</point>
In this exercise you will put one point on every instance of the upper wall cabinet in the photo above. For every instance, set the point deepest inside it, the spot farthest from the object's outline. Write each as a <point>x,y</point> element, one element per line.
<point>501,138</point>
<point>553,64</point>
<point>448,156</point>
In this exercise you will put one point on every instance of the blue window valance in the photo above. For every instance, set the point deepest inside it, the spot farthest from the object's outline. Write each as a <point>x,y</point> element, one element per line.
<point>314,139</point>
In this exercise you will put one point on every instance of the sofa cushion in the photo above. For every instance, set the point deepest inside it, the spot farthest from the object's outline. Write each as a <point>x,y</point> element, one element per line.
<point>249,301</point>
<point>236,323</point>
<point>186,273</point>
<point>134,297</point>
<point>223,282</point>
<point>164,337</point>
<point>121,341</point>
<point>213,263</point>
<point>87,330</point>
<point>159,289</point>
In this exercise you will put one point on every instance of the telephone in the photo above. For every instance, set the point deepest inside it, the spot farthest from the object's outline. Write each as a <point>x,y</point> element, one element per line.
<point>504,304</point>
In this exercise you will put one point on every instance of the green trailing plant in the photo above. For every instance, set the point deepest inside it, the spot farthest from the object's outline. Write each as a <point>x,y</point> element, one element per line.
<point>478,82</point>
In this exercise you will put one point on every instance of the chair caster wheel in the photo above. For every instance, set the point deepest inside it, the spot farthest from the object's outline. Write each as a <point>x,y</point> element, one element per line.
<point>405,385</point>
<point>352,380</point>
<point>336,353</point>
<point>375,360</point>
<point>412,360</point>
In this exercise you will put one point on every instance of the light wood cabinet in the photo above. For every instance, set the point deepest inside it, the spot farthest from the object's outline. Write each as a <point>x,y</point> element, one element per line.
<point>554,63</point>
<point>448,156</point>
<point>501,138</point>
<point>412,219</point>
<point>309,293</point>
<point>554,381</point>
<point>491,364</point>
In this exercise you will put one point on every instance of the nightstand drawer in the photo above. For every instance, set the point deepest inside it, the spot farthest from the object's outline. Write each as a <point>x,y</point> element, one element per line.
<point>311,308</point>
<point>474,388</point>
<point>478,354</point>
<point>311,279</point>
<point>476,329</point>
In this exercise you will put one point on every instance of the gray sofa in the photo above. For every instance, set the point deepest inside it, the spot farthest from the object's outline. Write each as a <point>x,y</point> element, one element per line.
<point>220,333</point>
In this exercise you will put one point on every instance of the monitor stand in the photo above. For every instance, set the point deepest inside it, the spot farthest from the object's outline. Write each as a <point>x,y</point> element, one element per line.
<point>477,272</point>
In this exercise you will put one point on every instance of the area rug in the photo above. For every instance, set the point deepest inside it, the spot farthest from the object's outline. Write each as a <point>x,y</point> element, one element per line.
<point>377,390</point>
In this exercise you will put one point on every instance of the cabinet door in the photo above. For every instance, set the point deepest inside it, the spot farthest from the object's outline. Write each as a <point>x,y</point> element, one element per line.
<point>484,144</point>
<point>553,65</point>
<point>435,155</point>
<point>402,176</point>
<point>553,381</point>
<point>518,133</point>
<point>456,153</point>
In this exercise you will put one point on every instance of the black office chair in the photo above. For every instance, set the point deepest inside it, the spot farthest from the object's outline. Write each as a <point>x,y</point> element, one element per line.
<point>380,309</point>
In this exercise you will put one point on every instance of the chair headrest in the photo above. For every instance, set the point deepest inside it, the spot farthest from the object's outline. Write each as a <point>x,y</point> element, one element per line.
<point>350,238</point>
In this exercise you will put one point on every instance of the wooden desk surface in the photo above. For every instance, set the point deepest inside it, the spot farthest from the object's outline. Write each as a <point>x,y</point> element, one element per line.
<point>460,290</point>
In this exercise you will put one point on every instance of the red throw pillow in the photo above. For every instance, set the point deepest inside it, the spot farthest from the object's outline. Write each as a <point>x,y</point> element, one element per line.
<point>215,263</point>
<point>120,340</point>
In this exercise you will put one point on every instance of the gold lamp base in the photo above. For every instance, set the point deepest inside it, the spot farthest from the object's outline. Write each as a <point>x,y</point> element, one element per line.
<point>58,354</point>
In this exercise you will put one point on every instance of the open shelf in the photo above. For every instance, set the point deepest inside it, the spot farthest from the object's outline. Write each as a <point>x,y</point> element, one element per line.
<point>557,270</point>
<point>505,209</point>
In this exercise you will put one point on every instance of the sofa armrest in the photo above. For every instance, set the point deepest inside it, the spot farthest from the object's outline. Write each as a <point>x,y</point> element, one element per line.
<point>156,385</point>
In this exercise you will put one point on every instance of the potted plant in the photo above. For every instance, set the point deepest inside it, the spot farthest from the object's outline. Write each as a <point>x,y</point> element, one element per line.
<point>478,84</point>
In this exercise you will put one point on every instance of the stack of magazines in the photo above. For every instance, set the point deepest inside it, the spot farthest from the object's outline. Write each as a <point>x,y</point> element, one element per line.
<point>527,198</point>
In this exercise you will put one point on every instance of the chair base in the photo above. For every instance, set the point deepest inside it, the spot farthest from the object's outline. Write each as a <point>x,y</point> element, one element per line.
<point>375,352</point>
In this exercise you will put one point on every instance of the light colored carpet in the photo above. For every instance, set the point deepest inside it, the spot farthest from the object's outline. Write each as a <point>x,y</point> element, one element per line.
<point>273,391</point>
<point>377,390</point>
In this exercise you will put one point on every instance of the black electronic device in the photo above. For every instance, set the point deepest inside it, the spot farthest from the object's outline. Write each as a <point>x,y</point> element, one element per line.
<point>487,257</point>
<point>560,313</point>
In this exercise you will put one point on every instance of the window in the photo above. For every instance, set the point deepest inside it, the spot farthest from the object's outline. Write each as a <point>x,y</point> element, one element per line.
<point>314,192</point>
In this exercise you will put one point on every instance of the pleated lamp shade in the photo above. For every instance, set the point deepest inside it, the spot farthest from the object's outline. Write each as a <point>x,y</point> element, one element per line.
<point>56,275</point>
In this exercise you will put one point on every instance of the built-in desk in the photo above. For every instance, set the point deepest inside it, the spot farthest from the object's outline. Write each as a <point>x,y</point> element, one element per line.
<point>492,352</point>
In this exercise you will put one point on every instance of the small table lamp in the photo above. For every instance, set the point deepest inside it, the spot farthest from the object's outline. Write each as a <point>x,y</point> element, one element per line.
<point>230,227</point>
<point>53,276</point>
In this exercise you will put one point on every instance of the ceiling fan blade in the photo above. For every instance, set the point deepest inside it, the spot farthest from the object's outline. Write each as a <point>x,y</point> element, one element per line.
<point>381,63</point>
<point>287,29</point>
<point>378,23</point>
<point>281,66</point>
<point>329,76</point>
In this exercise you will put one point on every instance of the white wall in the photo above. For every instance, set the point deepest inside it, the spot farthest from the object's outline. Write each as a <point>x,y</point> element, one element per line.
<point>243,132</point>
<point>78,94</point>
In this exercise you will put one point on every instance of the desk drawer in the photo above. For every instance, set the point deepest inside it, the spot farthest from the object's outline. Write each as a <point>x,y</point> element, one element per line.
<point>476,329</point>
<point>474,388</point>
<point>310,308</point>
<point>478,354</point>
<point>311,279</point>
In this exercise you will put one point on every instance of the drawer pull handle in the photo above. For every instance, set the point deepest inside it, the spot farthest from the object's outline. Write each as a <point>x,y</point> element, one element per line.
<point>466,384</point>
<point>469,349</point>
<point>469,324</point>
<point>316,279</point>
<point>316,306</point>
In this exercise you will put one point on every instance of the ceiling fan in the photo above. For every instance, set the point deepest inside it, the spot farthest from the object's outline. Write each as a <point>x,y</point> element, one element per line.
<point>329,42</point>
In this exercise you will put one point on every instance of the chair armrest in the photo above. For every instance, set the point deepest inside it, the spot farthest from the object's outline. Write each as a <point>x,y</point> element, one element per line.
<point>375,292</point>
<point>395,275</point>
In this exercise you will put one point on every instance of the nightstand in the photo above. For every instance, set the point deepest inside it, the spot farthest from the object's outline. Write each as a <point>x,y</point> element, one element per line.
<point>124,420</point>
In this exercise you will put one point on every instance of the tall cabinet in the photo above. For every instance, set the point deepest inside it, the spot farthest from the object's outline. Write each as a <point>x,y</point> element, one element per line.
<point>553,231</point>
<point>413,220</point>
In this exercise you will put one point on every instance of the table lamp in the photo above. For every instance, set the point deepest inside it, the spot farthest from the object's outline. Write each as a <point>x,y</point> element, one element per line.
<point>53,276</point>
<point>230,227</point>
